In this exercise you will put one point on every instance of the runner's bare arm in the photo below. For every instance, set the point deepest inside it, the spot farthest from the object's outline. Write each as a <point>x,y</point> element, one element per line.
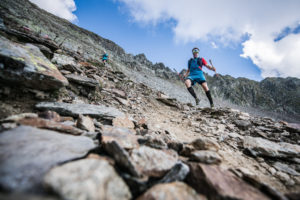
<point>187,73</point>
<point>212,68</point>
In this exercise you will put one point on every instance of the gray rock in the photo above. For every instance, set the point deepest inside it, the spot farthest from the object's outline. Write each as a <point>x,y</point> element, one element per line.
<point>82,80</point>
<point>155,141</point>
<point>27,153</point>
<point>121,156</point>
<point>285,168</point>
<point>208,157</point>
<point>26,65</point>
<point>94,179</point>
<point>262,147</point>
<point>140,185</point>
<point>97,111</point>
<point>65,62</point>
<point>2,26</point>
<point>243,124</point>
<point>178,173</point>
<point>45,50</point>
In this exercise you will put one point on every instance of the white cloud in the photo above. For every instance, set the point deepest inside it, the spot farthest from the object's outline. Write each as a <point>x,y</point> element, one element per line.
<point>61,8</point>
<point>228,21</point>
<point>214,45</point>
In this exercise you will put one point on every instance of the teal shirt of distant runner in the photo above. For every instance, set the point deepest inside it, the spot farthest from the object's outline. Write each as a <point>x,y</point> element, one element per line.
<point>104,57</point>
<point>195,72</point>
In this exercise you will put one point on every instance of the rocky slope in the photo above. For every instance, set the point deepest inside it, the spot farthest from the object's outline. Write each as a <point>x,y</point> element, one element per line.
<point>72,128</point>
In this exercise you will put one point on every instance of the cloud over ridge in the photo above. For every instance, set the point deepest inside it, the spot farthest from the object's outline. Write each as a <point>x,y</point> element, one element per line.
<point>229,21</point>
<point>61,8</point>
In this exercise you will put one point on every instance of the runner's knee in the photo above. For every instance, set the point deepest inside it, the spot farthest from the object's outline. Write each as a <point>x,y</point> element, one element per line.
<point>188,83</point>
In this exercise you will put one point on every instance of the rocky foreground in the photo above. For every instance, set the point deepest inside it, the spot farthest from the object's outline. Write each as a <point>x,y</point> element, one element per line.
<point>72,128</point>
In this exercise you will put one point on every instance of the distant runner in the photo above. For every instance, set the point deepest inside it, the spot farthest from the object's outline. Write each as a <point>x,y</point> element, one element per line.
<point>104,58</point>
<point>195,74</point>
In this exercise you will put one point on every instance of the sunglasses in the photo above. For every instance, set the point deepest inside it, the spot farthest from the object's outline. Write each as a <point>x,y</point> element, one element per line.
<point>195,51</point>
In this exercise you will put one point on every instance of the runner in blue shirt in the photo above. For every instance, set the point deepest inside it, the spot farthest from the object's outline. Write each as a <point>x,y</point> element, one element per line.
<point>195,74</point>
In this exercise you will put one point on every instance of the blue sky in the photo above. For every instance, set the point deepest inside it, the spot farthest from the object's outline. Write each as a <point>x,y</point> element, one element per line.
<point>246,38</point>
<point>109,20</point>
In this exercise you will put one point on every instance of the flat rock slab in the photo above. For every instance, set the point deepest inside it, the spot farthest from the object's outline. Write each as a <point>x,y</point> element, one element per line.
<point>87,179</point>
<point>262,147</point>
<point>82,80</point>
<point>27,153</point>
<point>216,183</point>
<point>26,65</point>
<point>51,125</point>
<point>74,110</point>
<point>171,191</point>
<point>168,101</point>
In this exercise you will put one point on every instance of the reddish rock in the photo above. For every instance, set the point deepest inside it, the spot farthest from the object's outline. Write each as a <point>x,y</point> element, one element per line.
<point>124,122</point>
<point>123,136</point>
<point>216,183</point>
<point>153,162</point>
<point>51,125</point>
<point>119,93</point>
<point>50,115</point>
<point>122,101</point>
<point>63,119</point>
<point>171,191</point>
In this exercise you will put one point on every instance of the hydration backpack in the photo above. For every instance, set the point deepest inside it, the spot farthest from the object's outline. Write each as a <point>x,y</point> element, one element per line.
<point>199,63</point>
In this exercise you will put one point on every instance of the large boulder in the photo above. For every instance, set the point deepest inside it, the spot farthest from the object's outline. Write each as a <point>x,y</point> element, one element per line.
<point>27,66</point>
<point>97,111</point>
<point>27,153</point>
<point>216,183</point>
<point>95,179</point>
<point>153,162</point>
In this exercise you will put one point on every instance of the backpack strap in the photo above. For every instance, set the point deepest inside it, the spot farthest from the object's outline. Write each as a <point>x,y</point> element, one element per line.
<point>199,62</point>
<point>189,63</point>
